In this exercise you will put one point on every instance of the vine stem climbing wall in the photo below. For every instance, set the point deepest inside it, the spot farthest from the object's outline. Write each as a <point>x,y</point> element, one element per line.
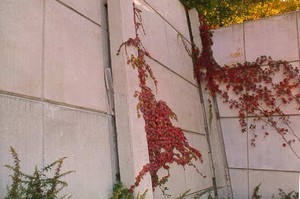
<point>167,144</point>
<point>257,89</point>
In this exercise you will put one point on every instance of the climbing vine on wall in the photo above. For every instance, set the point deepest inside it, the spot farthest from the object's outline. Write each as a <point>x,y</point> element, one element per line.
<point>258,89</point>
<point>167,144</point>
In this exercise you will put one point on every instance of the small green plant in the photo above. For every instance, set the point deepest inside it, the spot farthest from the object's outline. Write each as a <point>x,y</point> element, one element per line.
<point>197,195</point>
<point>256,194</point>
<point>204,192</point>
<point>290,195</point>
<point>37,185</point>
<point>281,195</point>
<point>120,191</point>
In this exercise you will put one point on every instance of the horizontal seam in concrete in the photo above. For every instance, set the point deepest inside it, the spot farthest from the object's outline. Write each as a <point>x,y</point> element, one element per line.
<point>265,65</point>
<point>77,12</point>
<point>62,104</point>
<point>157,61</point>
<point>193,132</point>
<point>166,21</point>
<point>257,169</point>
<point>237,117</point>
<point>292,61</point>
<point>168,68</point>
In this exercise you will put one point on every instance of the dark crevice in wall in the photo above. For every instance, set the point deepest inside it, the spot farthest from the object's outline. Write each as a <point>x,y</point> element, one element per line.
<point>110,94</point>
<point>204,114</point>
<point>207,131</point>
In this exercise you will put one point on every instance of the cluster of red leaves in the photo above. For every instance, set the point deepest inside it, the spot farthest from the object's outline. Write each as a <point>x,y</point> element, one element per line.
<point>167,144</point>
<point>258,89</point>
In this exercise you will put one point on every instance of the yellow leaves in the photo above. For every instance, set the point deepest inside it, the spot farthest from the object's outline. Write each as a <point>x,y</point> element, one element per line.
<point>228,12</point>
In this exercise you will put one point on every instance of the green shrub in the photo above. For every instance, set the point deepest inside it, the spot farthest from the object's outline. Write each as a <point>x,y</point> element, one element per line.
<point>37,185</point>
<point>122,192</point>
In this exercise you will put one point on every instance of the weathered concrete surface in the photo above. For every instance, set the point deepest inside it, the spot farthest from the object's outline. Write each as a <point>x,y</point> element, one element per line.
<point>268,149</point>
<point>21,25</point>
<point>188,106</point>
<point>268,162</point>
<point>180,61</point>
<point>183,179</point>
<point>195,24</point>
<point>74,71</point>
<point>271,181</point>
<point>20,127</point>
<point>229,43</point>
<point>216,141</point>
<point>273,36</point>
<point>83,138</point>
<point>174,75</point>
<point>239,183</point>
<point>155,28</point>
<point>132,143</point>
<point>88,8</point>
<point>56,55</point>
<point>171,51</point>
<point>235,143</point>
<point>174,13</point>
<point>56,51</point>
<point>193,180</point>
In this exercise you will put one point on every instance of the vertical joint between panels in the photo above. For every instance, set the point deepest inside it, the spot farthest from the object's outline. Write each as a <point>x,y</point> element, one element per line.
<point>43,82</point>
<point>110,93</point>
<point>298,34</point>
<point>203,113</point>
<point>244,42</point>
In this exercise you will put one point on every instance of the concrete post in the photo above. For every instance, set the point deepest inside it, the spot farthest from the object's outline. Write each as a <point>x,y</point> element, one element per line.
<point>132,142</point>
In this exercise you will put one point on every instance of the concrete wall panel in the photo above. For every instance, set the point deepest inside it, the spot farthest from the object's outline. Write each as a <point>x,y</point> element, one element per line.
<point>273,36</point>
<point>239,183</point>
<point>183,179</point>
<point>229,43</point>
<point>21,23</point>
<point>194,180</point>
<point>268,149</point>
<point>21,128</point>
<point>195,25</point>
<point>83,138</point>
<point>180,61</point>
<point>88,8</point>
<point>278,37</point>
<point>235,143</point>
<point>154,27</point>
<point>271,181</point>
<point>73,59</point>
<point>188,106</point>
<point>132,144</point>
<point>165,86</point>
<point>174,13</point>
<point>171,11</point>
<point>298,25</point>
<point>176,183</point>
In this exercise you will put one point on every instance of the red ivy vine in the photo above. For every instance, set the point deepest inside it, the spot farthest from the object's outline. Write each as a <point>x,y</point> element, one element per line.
<point>167,144</point>
<point>256,92</point>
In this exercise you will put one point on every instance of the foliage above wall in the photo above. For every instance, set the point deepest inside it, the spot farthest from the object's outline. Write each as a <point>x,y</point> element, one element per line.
<point>226,12</point>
